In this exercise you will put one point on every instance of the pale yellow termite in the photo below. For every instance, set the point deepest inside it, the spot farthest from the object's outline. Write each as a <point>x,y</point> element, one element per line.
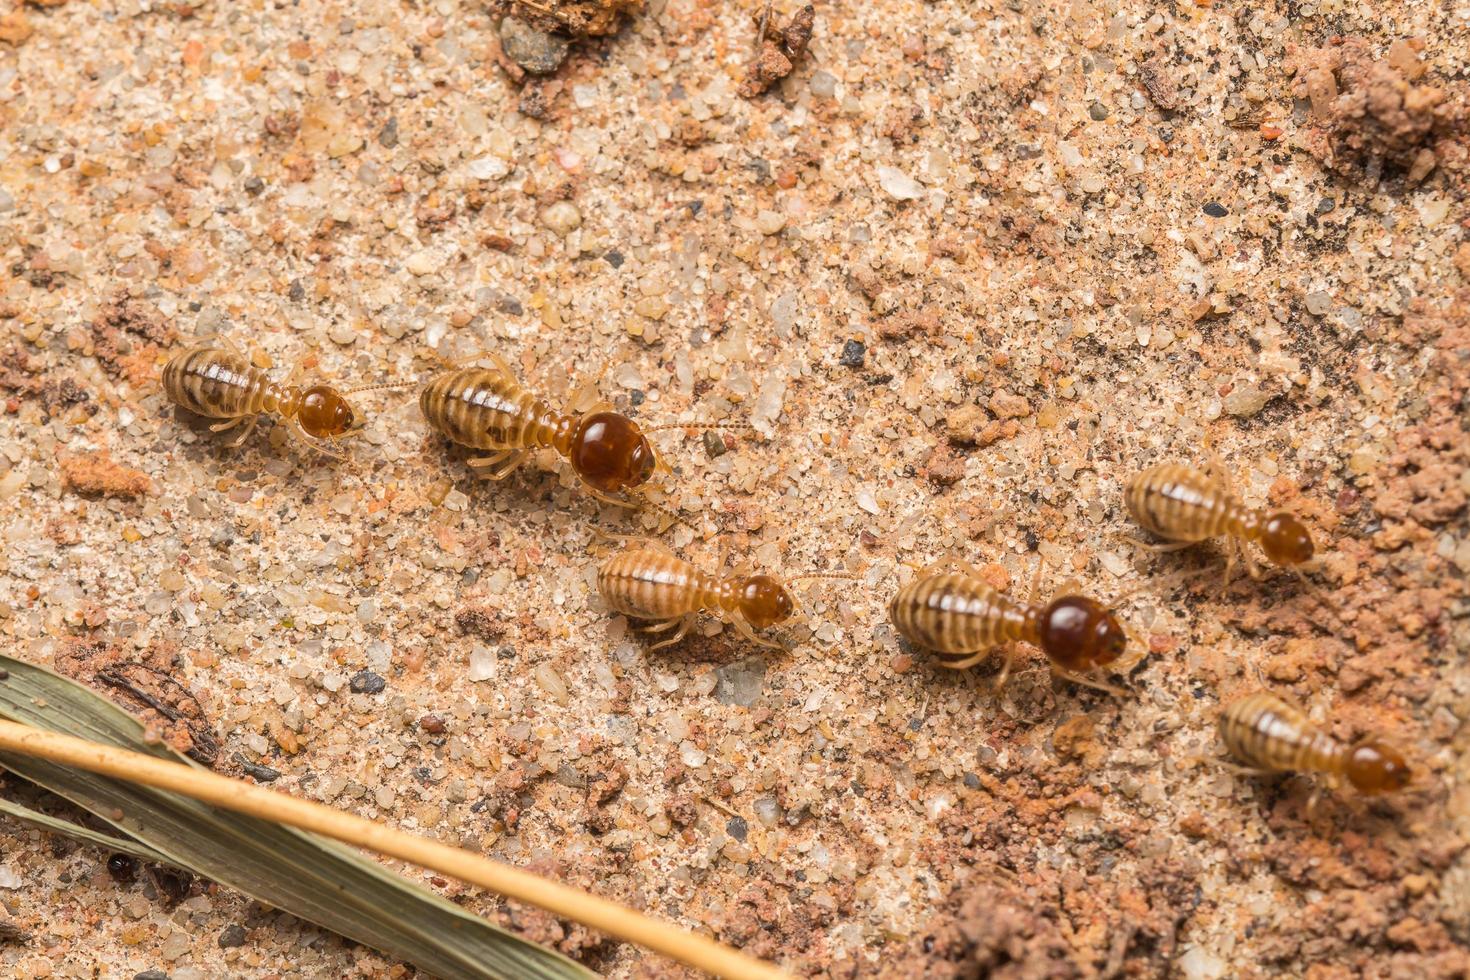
<point>221,383</point>
<point>1270,735</point>
<point>1185,506</point>
<point>646,581</point>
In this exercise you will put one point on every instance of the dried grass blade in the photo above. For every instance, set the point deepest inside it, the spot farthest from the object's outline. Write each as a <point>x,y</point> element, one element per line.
<point>308,876</point>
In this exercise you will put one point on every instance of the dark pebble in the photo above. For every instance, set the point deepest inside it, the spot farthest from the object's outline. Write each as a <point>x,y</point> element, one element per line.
<point>254,185</point>
<point>915,724</point>
<point>853,353</point>
<point>1215,209</point>
<point>366,682</point>
<point>636,397</point>
<point>232,936</point>
<point>123,868</point>
<point>1326,206</point>
<point>508,304</point>
<point>388,135</point>
<point>506,653</point>
<point>614,259</point>
<point>261,774</point>
<point>737,828</point>
<point>432,724</point>
<point>297,292</point>
<point>714,444</point>
<point>151,975</point>
<point>1166,133</point>
<point>4,675</point>
<point>1097,111</point>
<point>972,781</point>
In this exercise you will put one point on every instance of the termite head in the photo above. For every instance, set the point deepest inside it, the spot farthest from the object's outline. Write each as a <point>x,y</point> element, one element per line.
<point>764,601</point>
<point>1286,540</point>
<point>324,413</point>
<point>1079,634</point>
<point>1374,768</point>
<point>611,453</point>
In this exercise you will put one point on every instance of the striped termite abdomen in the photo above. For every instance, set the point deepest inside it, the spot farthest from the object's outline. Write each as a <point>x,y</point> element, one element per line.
<point>218,384</point>
<point>648,584</point>
<point>954,614</point>
<point>485,408</point>
<point>1179,503</point>
<point>1265,732</point>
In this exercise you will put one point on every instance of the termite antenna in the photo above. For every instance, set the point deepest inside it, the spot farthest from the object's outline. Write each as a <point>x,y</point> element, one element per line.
<point>735,426</point>
<point>837,575</point>
<point>382,386</point>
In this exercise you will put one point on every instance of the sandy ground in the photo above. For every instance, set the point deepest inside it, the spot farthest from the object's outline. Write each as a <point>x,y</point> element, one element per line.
<point>1068,239</point>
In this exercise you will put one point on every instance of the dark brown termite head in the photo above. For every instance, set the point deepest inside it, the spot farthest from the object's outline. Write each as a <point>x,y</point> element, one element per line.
<point>1286,540</point>
<point>611,453</point>
<point>1080,634</point>
<point>764,601</point>
<point>324,413</point>
<point>1375,768</point>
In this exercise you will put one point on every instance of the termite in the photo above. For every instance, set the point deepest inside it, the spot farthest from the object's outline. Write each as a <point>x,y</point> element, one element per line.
<point>950,610</point>
<point>647,581</point>
<point>1270,735</point>
<point>1184,507</point>
<point>221,383</point>
<point>489,409</point>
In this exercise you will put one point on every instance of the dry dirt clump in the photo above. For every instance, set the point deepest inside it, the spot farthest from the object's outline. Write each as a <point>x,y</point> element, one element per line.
<point>1373,117</point>
<point>579,18</point>
<point>995,932</point>
<point>97,473</point>
<point>780,50</point>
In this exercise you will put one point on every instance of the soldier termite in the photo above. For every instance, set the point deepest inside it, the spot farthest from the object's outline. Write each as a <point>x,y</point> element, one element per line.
<point>950,610</point>
<point>1184,507</point>
<point>488,409</point>
<point>221,383</point>
<point>646,581</point>
<point>1270,735</point>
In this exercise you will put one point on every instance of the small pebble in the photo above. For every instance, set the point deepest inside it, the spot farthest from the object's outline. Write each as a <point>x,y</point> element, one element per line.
<point>536,51</point>
<point>899,185</point>
<point>853,353</point>
<point>1215,209</point>
<point>233,935</point>
<point>823,84</point>
<point>562,218</point>
<point>769,222</point>
<point>366,682</point>
<point>1097,111</point>
<point>714,444</point>
<point>737,828</point>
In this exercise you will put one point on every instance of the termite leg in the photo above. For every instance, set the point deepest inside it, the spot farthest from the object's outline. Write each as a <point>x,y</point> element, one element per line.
<point>679,634</point>
<point>1231,767</point>
<point>1088,682</point>
<point>661,626</point>
<point>969,661</point>
<point>320,445</point>
<point>1158,549</point>
<point>228,424</point>
<point>499,466</point>
<point>244,433</point>
<point>652,544</point>
<point>749,633</point>
<point>631,505</point>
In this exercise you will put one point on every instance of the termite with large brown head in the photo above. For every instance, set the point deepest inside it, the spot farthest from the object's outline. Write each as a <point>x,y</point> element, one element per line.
<point>949,609</point>
<point>489,409</point>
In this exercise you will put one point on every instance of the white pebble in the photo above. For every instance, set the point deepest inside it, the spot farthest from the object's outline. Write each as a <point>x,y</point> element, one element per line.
<point>421,263</point>
<point>482,664</point>
<point>867,501</point>
<point>899,185</point>
<point>488,168</point>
